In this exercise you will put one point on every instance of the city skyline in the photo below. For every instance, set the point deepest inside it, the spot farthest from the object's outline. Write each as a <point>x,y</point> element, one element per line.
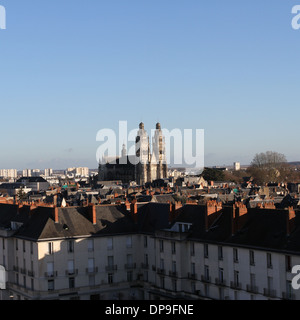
<point>68,71</point>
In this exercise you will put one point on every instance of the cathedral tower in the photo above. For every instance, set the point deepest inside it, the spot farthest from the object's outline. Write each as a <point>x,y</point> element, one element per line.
<point>143,155</point>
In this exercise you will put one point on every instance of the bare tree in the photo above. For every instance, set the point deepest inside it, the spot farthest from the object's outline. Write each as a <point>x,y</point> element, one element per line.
<point>269,166</point>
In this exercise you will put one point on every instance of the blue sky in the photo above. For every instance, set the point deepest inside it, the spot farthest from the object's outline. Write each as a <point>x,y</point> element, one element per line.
<point>69,68</point>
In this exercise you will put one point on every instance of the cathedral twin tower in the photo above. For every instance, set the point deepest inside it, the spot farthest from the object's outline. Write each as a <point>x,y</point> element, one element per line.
<point>146,166</point>
<point>150,166</point>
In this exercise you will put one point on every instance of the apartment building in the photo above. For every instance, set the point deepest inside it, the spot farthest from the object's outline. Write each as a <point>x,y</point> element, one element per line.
<point>148,251</point>
<point>8,173</point>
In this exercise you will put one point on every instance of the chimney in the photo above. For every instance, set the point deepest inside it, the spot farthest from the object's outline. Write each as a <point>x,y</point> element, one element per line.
<point>55,214</point>
<point>20,206</point>
<point>239,216</point>
<point>127,205</point>
<point>92,213</point>
<point>212,212</point>
<point>31,209</point>
<point>55,199</point>
<point>133,210</point>
<point>173,208</point>
<point>290,220</point>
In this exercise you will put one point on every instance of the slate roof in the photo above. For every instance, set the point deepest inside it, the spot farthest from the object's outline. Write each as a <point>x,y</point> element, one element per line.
<point>264,228</point>
<point>73,222</point>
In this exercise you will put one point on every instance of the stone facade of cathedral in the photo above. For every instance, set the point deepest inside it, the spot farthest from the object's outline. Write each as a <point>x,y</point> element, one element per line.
<point>145,166</point>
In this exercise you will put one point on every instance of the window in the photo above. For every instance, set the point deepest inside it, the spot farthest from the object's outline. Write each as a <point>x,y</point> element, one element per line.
<point>50,247</point>
<point>193,287</point>
<point>146,259</point>
<point>91,280</point>
<point>90,245</point>
<point>235,255</point>
<point>288,264</point>
<point>32,284</point>
<point>110,261</point>
<point>174,285</point>
<point>193,268</point>
<point>174,266</point>
<point>145,241</point>
<point>145,276</point>
<point>31,247</point>
<point>17,245</point>
<point>24,246</point>
<point>50,269</point>
<point>206,290</point>
<point>109,243</point>
<point>220,252</point>
<point>71,267</point>
<point>129,242</point>
<point>173,246</point>
<point>91,265</point>
<point>50,285</point>
<point>205,250</point>
<point>162,264</point>
<point>289,294</point>
<point>161,245</point>
<point>221,293</point>
<point>129,260</point>
<point>269,260</point>
<point>270,284</point>
<point>251,258</point>
<point>236,278</point>
<point>252,280</point>
<point>162,282</point>
<point>236,295</point>
<point>70,246</point>
<point>206,272</point>
<point>71,282</point>
<point>221,275</point>
<point>129,276</point>
<point>110,278</point>
<point>192,248</point>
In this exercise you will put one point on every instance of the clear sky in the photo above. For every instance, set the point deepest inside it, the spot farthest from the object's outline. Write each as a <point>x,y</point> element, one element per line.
<point>69,68</point>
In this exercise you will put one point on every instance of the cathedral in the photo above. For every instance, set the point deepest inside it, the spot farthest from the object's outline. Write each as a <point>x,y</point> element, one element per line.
<point>144,166</point>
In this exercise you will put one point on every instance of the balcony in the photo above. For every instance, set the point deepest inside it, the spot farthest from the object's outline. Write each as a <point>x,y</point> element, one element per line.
<point>51,274</point>
<point>192,276</point>
<point>269,293</point>
<point>251,288</point>
<point>23,270</point>
<point>71,272</point>
<point>91,270</point>
<point>288,296</point>
<point>16,268</point>
<point>161,271</point>
<point>205,279</point>
<point>235,285</point>
<point>111,268</point>
<point>173,274</point>
<point>220,282</point>
<point>30,273</point>
<point>144,265</point>
<point>130,266</point>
